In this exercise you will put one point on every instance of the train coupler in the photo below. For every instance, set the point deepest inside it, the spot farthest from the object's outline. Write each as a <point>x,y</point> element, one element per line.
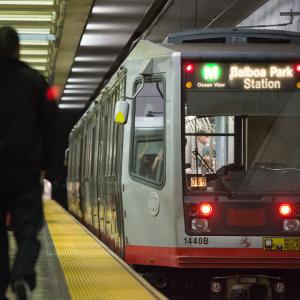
<point>247,287</point>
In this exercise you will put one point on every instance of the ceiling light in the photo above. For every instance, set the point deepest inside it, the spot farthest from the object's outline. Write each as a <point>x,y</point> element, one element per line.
<point>84,79</point>
<point>39,68</point>
<point>89,70</point>
<point>26,2</point>
<point>71,105</point>
<point>31,18</point>
<point>33,52</point>
<point>119,9</point>
<point>74,98</point>
<point>121,27</point>
<point>32,60</point>
<point>93,39</point>
<point>80,86</point>
<point>37,37</point>
<point>78,91</point>
<point>34,43</point>
<point>94,58</point>
<point>33,30</point>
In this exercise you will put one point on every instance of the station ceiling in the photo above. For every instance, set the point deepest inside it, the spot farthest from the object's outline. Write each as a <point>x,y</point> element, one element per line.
<point>78,44</point>
<point>38,23</point>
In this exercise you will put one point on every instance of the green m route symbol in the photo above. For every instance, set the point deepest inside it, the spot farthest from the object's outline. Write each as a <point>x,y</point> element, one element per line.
<point>211,72</point>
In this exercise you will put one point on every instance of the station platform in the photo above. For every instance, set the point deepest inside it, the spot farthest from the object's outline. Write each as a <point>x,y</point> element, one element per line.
<point>74,265</point>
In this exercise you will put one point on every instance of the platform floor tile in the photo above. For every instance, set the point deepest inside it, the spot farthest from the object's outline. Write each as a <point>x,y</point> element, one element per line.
<point>91,271</point>
<point>51,284</point>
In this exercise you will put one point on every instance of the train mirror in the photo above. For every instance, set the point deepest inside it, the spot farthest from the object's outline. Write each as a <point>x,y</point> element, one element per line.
<point>121,112</point>
<point>66,157</point>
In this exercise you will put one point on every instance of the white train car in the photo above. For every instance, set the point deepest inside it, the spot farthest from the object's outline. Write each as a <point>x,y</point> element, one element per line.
<point>194,176</point>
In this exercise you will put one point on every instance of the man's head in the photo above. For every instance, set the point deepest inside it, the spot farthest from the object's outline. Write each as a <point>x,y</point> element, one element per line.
<point>203,139</point>
<point>9,42</point>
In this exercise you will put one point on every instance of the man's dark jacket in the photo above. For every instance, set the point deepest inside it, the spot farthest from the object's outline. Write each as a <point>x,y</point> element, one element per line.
<point>28,120</point>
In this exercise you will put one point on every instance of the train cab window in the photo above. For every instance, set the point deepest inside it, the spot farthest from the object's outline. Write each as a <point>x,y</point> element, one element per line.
<point>209,143</point>
<point>210,146</point>
<point>148,145</point>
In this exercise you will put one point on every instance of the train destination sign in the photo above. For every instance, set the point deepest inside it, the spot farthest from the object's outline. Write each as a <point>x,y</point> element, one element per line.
<point>242,76</point>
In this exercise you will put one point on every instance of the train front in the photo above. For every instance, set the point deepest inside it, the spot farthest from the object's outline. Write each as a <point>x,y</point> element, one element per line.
<point>241,164</point>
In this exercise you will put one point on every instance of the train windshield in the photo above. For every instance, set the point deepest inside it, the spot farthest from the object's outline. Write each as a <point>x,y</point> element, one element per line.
<point>243,140</point>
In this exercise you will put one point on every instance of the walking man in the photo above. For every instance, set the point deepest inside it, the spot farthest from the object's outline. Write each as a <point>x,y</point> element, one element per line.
<point>28,125</point>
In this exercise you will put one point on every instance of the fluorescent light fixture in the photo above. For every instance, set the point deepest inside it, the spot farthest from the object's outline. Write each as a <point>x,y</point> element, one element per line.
<point>78,91</point>
<point>81,86</point>
<point>105,39</point>
<point>119,9</point>
<point>69,105</point>
<point>31,18</point>
<point>32,60</point>
<point>37,37</point>
<point>89,70</point>
<point>83,80</point>
<point>33,30</point>
<point>115,27</point>
<point>34,43</point>
<point>33,52</point>
<point>26,2</point>
<point>74,98</point>
<point>94,58</point>
<point>39,68</point>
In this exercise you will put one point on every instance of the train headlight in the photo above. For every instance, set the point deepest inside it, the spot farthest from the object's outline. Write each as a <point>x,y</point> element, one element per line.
<point>291,225</point>
<point>199,225</point>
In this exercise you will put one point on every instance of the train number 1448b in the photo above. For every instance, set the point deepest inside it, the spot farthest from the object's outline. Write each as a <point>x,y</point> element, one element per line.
<point>196,241</point>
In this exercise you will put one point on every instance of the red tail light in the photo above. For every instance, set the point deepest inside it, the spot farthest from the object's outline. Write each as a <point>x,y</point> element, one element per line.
<point>206,209</point>
<point>298,68</point>
<point>285,209</point>
<point>189,68</point>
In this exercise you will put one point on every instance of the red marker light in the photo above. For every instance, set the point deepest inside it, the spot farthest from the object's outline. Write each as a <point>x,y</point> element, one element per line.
<point>206,209</point>
<point>52,93</point>
<point>189,68</point>
<point>285,210</point>
<point>298,68</point>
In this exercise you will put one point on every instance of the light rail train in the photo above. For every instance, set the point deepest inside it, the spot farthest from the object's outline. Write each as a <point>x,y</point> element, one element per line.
<point>188,160</point>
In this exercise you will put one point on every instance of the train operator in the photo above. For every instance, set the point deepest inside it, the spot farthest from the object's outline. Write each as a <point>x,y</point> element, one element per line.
<point>28,125</point>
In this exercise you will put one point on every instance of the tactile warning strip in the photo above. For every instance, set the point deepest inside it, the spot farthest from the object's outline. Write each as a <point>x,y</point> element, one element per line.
<point>91,272</point>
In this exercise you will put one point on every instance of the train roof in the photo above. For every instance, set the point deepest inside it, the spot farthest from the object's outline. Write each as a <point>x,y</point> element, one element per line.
<point>276,52</point>
<point>235,35</point>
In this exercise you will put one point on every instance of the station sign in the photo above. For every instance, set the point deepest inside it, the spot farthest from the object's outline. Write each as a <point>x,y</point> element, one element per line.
<point>242,76</point>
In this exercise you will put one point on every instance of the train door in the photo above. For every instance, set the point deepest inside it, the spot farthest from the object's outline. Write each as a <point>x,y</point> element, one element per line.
<point>82,168</point>
<point>102,115</point>
<point>93,169</point>
<point>88,182</point>
<point>109,170</point>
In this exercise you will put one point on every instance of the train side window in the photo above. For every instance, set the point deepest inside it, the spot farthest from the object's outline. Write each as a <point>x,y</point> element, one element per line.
<point>148,143</point>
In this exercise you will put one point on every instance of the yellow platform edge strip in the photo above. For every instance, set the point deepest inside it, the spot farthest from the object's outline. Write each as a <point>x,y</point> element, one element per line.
<point>91,270</point>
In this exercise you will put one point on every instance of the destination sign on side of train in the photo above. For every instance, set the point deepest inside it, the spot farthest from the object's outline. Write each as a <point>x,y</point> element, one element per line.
<point>242,76</point>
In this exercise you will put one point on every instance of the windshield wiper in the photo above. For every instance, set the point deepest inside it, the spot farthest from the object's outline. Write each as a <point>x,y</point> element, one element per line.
<point>282,170</point>
<point>215,175</point>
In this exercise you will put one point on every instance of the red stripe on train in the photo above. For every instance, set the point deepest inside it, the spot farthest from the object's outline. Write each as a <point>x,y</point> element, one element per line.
<point>251,258</point>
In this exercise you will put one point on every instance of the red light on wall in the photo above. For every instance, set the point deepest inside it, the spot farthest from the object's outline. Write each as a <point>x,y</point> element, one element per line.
<point>285,210</point>
<point>189,68</point>
<point>206,209</point>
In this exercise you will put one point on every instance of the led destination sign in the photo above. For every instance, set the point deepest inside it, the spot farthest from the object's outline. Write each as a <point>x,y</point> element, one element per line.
<point>242,76</point>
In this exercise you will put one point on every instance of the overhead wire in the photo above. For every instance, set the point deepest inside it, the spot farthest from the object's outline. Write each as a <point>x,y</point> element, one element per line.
<point>221,13</point>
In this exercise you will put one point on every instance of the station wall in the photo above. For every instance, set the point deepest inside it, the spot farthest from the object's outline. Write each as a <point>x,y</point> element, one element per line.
<point>269,13</point>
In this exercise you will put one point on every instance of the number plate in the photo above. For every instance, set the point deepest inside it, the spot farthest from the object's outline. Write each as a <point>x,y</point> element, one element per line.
<point>282,244</point>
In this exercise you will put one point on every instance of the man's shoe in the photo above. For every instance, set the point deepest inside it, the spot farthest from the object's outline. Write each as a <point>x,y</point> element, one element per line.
<point>22,290</point>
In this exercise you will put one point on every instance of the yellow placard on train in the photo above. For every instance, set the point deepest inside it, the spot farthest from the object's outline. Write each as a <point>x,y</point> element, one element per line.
<point>281,244</point>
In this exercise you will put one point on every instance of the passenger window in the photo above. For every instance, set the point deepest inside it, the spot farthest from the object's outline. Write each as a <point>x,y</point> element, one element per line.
<point>148,155</point>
